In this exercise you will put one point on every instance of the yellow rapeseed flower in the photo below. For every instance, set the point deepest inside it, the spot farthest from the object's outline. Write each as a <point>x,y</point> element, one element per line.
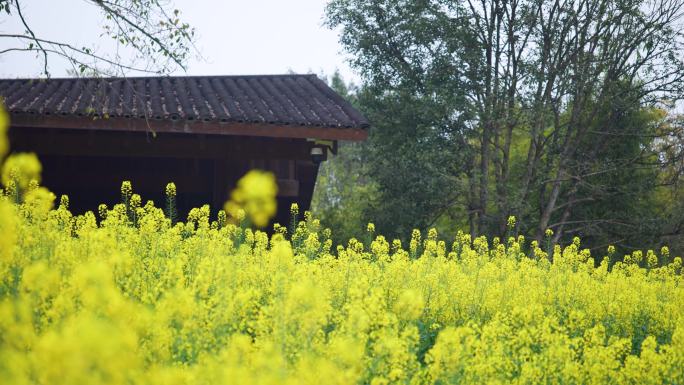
<point>126,189</point>
<point>40,200</point>
<point>511,222</point>
<point>21,168</point>
<point>410,305</point>
<point>171,189</point>
<point>8,233</point>
<point>255,194</point>
<point>168,302</point>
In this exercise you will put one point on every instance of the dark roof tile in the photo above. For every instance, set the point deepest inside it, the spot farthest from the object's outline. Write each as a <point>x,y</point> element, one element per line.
<point>299,100</point>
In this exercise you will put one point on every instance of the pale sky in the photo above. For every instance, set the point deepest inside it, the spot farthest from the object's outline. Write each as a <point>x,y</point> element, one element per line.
<point>234,37</point>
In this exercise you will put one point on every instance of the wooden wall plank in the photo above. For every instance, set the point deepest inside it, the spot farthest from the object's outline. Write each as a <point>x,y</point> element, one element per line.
<point>185,127</point>
<point>125,144</point>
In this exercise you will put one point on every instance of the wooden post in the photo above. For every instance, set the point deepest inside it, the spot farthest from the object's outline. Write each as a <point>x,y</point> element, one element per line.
<point>306,174</point>
<point>220,184</point>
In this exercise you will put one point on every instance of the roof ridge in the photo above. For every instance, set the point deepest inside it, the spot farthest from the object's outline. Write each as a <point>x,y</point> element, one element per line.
<point>162,77</point>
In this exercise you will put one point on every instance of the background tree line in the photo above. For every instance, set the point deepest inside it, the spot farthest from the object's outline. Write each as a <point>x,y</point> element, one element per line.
<point>561,113</point>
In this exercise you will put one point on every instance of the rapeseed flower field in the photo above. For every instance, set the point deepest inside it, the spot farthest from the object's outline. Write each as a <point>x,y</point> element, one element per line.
<point>132,295</point>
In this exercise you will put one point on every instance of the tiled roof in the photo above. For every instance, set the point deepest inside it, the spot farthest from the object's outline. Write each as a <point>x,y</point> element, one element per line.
<point>296,100</point>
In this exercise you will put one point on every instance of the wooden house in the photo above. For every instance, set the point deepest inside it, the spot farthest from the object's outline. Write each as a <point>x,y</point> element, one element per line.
<point>203,133</point>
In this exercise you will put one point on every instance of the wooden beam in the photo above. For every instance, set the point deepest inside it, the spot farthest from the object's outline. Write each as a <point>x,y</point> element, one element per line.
<point>164,145</point>
<point>188,127</point>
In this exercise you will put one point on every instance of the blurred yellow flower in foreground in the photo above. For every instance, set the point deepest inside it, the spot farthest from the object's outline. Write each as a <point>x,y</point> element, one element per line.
<point>256,195</point>
<point>7,222</point>
<point>21,168</point>
<point>8,236</point>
